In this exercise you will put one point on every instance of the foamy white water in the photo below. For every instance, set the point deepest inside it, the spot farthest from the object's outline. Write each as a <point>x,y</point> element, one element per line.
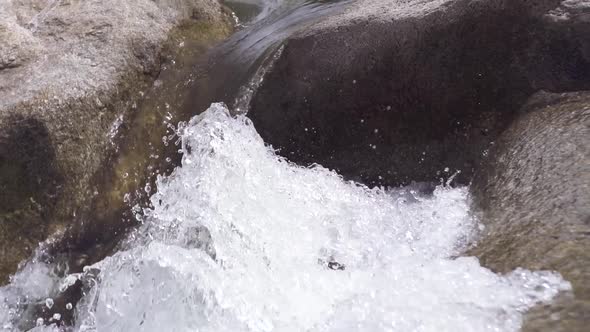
<point>240,239</point>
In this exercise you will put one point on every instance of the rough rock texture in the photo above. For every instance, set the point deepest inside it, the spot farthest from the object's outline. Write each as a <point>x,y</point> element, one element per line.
<point>534,190</point>
<point>404,90</point>
<point>396,91</point>
<point>64,49</point>
<point>70,71</point>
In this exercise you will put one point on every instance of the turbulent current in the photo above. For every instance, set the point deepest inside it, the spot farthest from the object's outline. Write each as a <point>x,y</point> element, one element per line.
<point>240,239</point>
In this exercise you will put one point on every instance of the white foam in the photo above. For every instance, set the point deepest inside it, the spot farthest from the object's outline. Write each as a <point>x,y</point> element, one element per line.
<point>273,229</point>
<point>32,284</point>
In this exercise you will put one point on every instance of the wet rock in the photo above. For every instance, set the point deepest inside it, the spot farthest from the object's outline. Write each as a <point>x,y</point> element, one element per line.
<point>28,188</point>
<point>390,93</point>
<point>129,178</point>
<point>534,191</point>
<point>70,74</point>
<point>416,90</point>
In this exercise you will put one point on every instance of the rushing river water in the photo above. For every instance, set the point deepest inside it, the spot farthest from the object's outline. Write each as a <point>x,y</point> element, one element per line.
<point>240,239</point>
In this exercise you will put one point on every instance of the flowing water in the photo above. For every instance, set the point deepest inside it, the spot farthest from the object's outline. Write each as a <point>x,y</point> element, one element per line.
<point>237,65</point>
<point>238,238</point>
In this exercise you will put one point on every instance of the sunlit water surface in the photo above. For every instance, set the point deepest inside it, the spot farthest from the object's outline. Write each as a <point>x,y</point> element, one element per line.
<point>239,239</point>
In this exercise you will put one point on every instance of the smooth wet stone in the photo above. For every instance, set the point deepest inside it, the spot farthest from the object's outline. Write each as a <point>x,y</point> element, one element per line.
<point>71,74</point>
<point>416,90</point>
<point>534,191</point>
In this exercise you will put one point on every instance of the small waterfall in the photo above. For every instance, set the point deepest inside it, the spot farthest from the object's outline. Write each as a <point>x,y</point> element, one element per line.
<point>240,239</point>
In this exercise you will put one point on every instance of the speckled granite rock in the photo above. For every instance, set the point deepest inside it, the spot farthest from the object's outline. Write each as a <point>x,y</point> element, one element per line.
<point>70,72</point>
<point>534,190</point>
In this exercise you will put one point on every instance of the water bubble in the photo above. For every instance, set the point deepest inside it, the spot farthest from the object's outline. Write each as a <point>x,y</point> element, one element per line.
<point>49,303</point>
<point>69,306</point>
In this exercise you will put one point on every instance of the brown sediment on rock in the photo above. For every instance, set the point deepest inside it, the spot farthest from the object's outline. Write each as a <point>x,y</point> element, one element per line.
<point>71,72</point>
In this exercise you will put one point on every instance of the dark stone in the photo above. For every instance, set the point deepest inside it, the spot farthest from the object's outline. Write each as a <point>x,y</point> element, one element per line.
<point>27,162</point>
<point>336,266</point>
<point>390,100</point>
<point>29,186</point>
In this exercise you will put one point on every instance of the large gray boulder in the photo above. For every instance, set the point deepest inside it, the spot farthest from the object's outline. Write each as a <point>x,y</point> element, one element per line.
<point>391,92</point>
<point>71,72</point>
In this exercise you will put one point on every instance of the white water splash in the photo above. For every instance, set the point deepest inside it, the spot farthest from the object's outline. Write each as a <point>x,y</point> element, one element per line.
<point>242,240</point>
